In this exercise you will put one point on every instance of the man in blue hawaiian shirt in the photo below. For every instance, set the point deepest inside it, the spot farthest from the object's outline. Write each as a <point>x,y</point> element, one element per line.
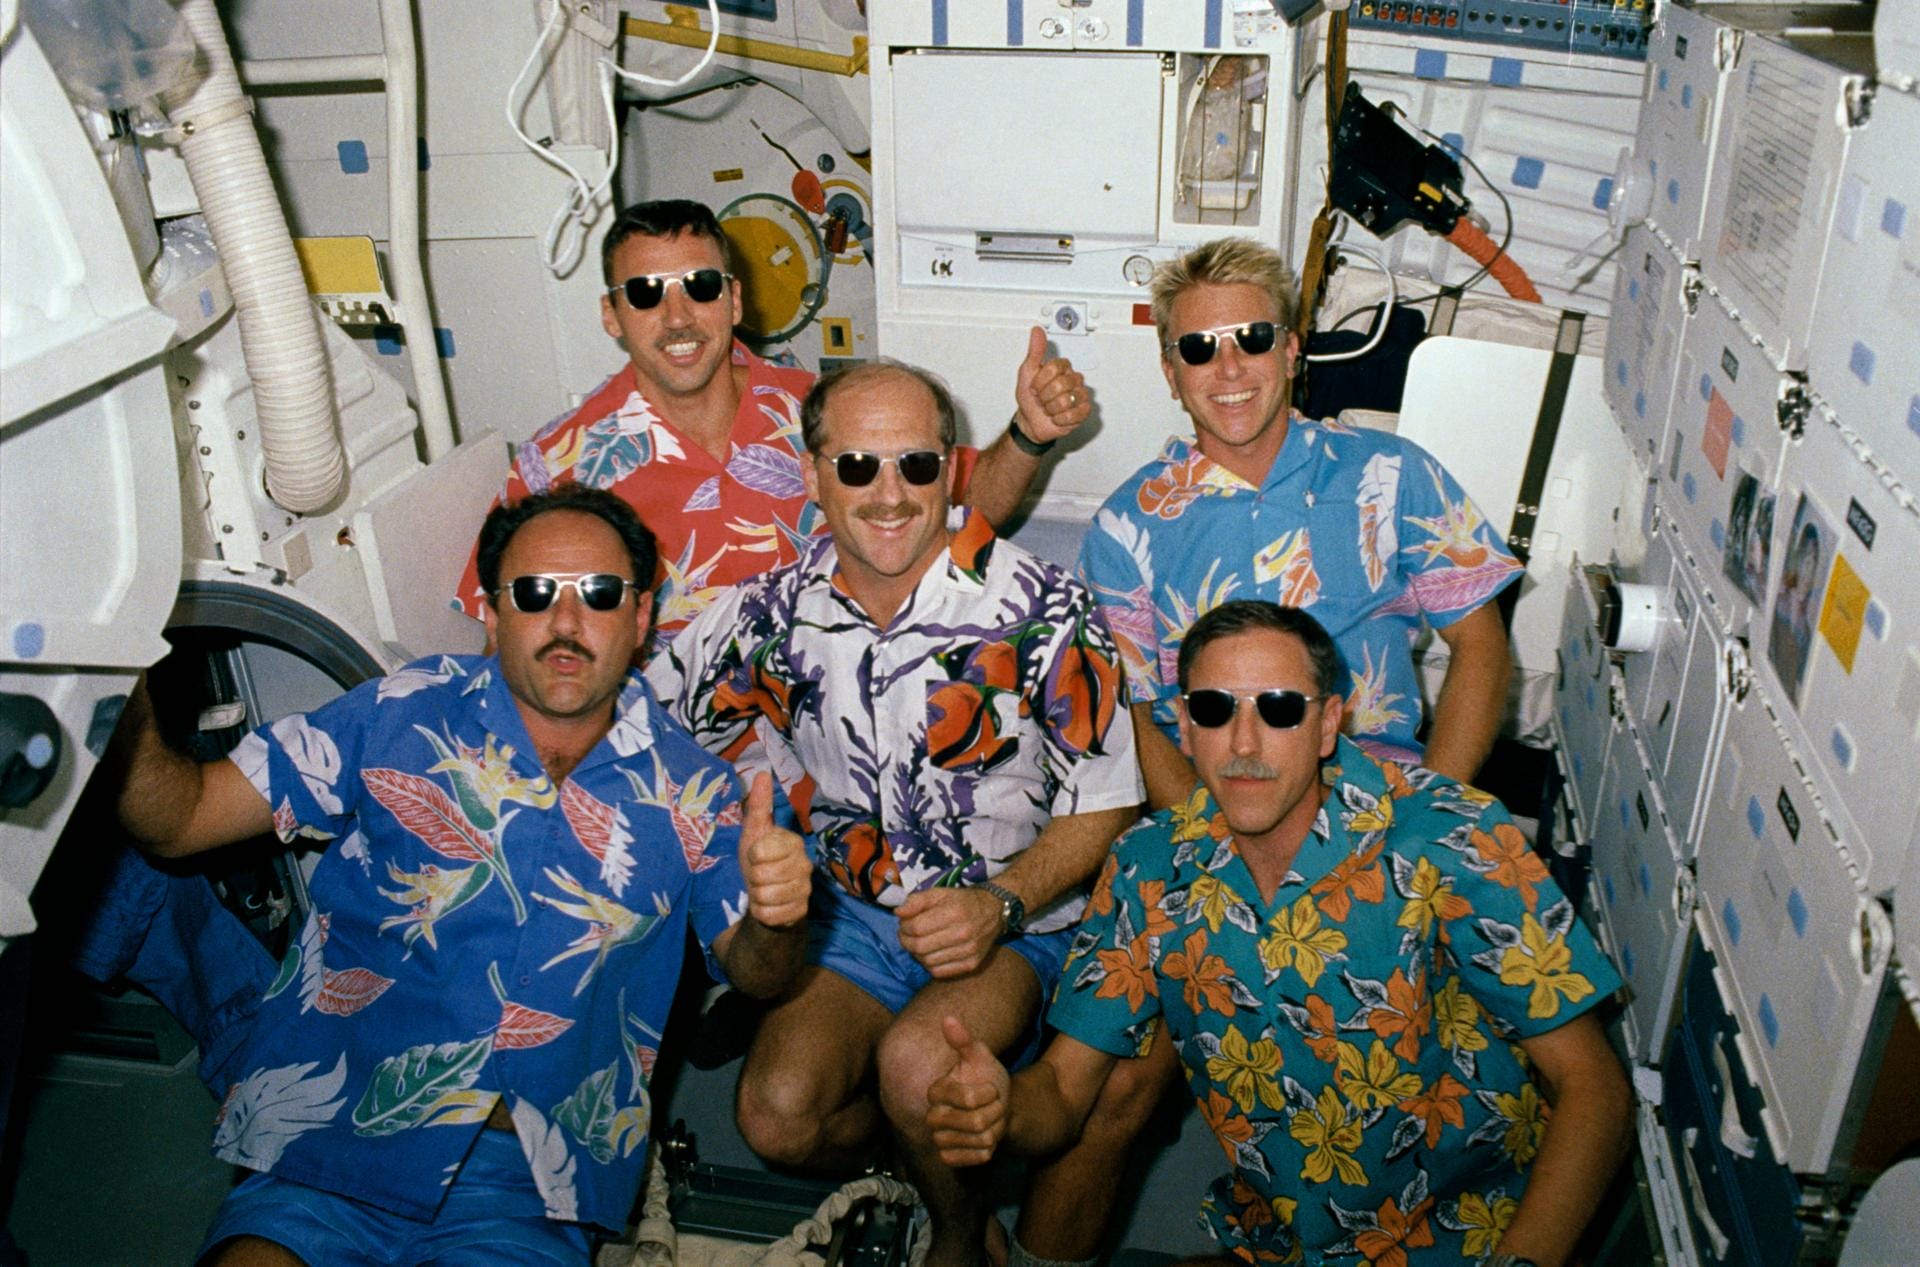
<point>1360,964</point>
<point>953,705</point>
<point>1363,528</point>
<point>456,1051</point>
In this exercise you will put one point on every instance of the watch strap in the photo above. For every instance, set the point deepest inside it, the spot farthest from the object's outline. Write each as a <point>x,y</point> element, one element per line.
<point>1026,443</point>
<point>1013,911</point>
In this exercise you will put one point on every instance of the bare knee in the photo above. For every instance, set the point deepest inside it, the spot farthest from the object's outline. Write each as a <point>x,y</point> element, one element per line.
<point>781,1111</point>
<point>1128,1099</point>
<point>252,1251</point>
<point>912,1056</point>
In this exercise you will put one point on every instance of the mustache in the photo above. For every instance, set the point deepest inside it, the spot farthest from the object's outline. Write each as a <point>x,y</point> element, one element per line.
<point>905,510</point>
<point>567,645</point>
<point>1247,768</point>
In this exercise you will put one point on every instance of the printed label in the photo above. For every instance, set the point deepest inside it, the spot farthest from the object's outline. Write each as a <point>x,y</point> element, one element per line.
<point>1788,815</point>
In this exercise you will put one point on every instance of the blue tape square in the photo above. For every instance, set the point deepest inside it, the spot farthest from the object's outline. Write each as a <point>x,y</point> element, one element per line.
<point>1505,72</point>
<point>1731,918</point>
<point>1718,532</point>
<point>1646,881</point>
<point>206,302</point>
<point>1706,387</point>
<point>1429,63</point>
<point>1739,430</point>
<point>1756,817</point>
<point>1660,79</point>
<point>1842,748</point>
<point>1876,619</point>
<point>1626,812</point>
<point>1769,1022</point>
<point>1860,361</point>
<point>1606,883</point>
<point>353,158</point>
<point>1687,486</point>
<point>386,340</point>
<point>1893,218</point>
<point>1686,96</point>
<point>443,342</point>
<point>1527,172</point>
<point>1913,415</point>
<point>1797,912</point>
<point>1454,143</point>
<point>1603,193</point>
<point>1620,372</point>
<point>1016,19</point>
<point>1639,404</point>
<point>1673,191</point>
<point>1626,957</point>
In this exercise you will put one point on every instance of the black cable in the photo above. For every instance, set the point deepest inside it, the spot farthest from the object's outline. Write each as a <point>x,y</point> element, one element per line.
<point>1506,208</point>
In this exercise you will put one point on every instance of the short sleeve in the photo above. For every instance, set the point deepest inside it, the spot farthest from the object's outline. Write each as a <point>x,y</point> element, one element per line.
<point>719,894</point>
<point>711,679</point>
<point>1453,557</point>
<point>1523,954</point>
<point>1109,994</point>
<point>1117,566</point>
<point>1089,731</point>
<point>308,766</point>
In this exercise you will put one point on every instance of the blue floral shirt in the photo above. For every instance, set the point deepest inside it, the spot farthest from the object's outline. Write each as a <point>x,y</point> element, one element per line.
<point>1352,1042</point>
<point>1360,527</point>
<point>476,933</point>
<point>931,752</point>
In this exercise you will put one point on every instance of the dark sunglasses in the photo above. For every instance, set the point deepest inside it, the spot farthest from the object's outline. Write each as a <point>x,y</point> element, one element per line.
<point>1198,346</point>
<point>1210,708</point>
<point>536,591</point>
<point>857,469</point>
<point>702,285</point>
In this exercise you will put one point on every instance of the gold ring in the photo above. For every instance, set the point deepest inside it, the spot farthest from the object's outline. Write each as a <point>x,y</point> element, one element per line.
<point>1073,398</point>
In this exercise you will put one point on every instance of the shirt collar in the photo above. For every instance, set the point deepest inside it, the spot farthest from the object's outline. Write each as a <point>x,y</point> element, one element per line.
<point>493,705</point>
<point>961,571</point>
<point>1296,452</point>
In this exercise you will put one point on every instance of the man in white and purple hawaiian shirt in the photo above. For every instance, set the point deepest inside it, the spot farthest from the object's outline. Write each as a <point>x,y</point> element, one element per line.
<point>454,1057</point>
<point>955,702</point>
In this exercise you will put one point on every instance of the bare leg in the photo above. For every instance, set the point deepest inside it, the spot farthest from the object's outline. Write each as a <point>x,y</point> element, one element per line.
<point>997,1003</point>
<point>1064,1215</point>
<point>252,1251</point>
<point>799,1102</point>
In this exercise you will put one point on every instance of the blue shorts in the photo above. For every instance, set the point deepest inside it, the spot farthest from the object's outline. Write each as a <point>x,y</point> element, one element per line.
<point>492,1214</point>
<point>861,942</point>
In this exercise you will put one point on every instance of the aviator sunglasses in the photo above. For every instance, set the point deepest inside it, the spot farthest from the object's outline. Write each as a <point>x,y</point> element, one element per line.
<point>1210,708</point>
<point>1197,347</point>
<point>857,468</point>
<point>536,591</point>
<point>702,286</point>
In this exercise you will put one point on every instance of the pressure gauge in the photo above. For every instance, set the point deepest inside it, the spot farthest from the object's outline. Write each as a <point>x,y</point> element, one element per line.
<point>1138,270</point>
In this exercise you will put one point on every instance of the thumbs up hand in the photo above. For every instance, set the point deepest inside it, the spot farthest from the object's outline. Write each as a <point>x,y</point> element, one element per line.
<point>773,862</point>
<point>967,1109</point>
<point>1051,394</point>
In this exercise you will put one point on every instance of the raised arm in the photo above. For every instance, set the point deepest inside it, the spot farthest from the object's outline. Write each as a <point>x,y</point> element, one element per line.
<point>172,804</point>
<point>1169,775</point>
<point>1473,695</point>
<point>976,1107</point>
<point>951,931</point>
<point>1589,1132</point>
<point>764,949</point>
<point>1052,399</point>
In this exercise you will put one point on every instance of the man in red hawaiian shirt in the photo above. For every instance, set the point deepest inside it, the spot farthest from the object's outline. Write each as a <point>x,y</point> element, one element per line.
<point>702,436</point>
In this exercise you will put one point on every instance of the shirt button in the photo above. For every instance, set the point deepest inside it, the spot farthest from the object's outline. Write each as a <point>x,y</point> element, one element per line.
<point>526,980</point>
<point>1309,501</point>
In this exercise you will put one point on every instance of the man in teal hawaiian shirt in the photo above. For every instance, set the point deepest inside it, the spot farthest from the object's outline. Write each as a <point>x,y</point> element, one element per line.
<point>456,1052</point>
<point>954,704</point>
<point>1364,968</point>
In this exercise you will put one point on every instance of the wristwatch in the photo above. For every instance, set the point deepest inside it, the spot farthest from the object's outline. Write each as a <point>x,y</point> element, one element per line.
<point>1013,912</point>
<point>1027,444</point>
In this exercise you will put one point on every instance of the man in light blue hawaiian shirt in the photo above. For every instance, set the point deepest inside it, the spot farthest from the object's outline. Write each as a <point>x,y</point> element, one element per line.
<point>456,1051</point>
<point>1362,528</point>
<point>953,702</point>
<point>1362,965</point>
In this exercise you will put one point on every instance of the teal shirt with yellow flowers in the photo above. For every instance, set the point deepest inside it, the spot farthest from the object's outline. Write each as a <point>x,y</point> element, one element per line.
<point>1353,1043</point>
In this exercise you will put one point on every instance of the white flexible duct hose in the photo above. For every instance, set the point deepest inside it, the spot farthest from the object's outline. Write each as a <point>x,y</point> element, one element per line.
<point>279,330</point>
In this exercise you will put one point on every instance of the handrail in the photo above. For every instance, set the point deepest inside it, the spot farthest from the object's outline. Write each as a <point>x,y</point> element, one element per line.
<point>396,72</point>
<point>683,28</point>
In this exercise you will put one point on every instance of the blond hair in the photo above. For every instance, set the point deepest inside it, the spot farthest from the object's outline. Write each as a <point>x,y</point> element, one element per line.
<point>1224,262</point>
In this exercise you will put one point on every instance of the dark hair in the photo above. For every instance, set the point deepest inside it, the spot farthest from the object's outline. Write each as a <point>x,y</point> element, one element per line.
<point>666,218</point>
<point>1244,615</point>
<point>503,521</point>
<point>813,427</point>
